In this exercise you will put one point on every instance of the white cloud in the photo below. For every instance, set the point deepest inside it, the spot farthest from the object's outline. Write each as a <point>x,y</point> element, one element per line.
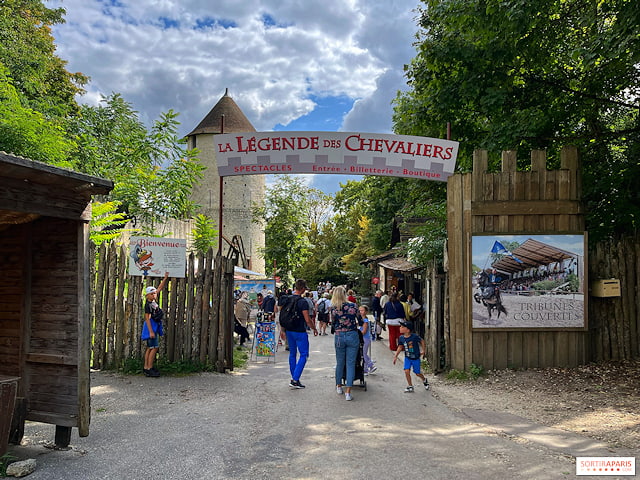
<point>273,55</point>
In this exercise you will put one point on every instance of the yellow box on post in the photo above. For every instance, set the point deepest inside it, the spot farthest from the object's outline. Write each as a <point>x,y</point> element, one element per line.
<point>605,288</point>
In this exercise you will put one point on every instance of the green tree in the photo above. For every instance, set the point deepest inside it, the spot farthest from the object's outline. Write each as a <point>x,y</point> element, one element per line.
<point>26,132</point>
<point>535,74</point>
<point>286,213</point>
<point>152,171</point>
<point>106,222</point>
<point>27,49</point>
<point>358,274</point>
<point>204,234</point>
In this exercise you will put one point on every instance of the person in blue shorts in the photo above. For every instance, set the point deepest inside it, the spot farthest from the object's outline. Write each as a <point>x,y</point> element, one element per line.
<point>414,348</point>
<point>152,327</point>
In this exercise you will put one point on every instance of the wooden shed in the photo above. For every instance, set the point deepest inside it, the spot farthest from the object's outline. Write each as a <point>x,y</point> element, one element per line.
<point>45,321</point>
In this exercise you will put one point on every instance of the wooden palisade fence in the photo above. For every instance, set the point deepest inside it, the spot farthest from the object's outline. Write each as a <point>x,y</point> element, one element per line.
<point>614,322</point>
<point>198,324</point>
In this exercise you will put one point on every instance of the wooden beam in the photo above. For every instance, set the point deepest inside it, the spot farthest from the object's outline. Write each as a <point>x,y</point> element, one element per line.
<point>527,207</point>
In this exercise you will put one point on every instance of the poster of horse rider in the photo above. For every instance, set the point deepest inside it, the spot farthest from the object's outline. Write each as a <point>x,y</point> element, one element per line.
<point>528,281</point>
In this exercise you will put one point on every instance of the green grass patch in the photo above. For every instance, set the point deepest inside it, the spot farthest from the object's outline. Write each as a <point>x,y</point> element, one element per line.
<point>473,373</point>
<point>240,358</point>
<point>5,460</point>
<point>133,366</point>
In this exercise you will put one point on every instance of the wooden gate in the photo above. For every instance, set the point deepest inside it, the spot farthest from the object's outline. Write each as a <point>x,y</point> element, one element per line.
<point>509,202</point>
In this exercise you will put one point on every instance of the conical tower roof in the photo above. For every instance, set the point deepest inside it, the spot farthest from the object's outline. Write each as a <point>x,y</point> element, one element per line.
<point>234,119</point>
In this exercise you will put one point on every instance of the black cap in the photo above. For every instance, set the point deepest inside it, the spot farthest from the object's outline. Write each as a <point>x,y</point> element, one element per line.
<point>408,324</point>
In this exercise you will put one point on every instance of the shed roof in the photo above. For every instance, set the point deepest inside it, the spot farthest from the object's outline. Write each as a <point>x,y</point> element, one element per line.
<point>30,189</point>
<point>390,261</point>
<point>234,119</point>
<point>399,264</point>
<point>532,253</point>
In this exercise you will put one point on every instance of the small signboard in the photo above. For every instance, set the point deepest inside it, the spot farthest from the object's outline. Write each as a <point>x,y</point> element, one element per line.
<point>153,256</point>
<point>265,339</point>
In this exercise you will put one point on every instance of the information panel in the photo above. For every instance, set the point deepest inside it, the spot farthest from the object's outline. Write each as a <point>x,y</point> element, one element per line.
<point>153,256</point>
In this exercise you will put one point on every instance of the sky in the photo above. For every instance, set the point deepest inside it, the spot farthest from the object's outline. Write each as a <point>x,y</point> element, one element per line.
<point>290,65</point>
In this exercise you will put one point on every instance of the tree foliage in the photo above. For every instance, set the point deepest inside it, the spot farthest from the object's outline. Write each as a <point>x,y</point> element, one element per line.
<point>286,213</point>
<point>204,234</point>
<point>27,49</point>
<point>28,133</point>
<point>40,119</point>
<point>535,74</point>
<point>106,222</point>
<point>152,170</point>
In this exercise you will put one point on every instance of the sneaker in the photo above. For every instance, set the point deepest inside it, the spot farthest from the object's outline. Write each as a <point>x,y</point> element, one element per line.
<point>339,390</point>
<point>373,369</point>
<point>426,384</point>
<point>409,389</point>
<point>146,372</point>
<point>348,397</point>
<point>296,384</point>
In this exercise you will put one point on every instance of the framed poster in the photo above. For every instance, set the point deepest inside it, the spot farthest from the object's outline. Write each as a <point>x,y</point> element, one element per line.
<point>152,256</point>
<point>528,282</point>
<point>253,288</point>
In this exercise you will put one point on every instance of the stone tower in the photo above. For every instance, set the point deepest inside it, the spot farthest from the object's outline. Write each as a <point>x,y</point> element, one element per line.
<point>239,192</point>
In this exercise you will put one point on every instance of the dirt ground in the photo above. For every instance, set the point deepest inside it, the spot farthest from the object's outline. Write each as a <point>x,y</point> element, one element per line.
<point>599,401</point>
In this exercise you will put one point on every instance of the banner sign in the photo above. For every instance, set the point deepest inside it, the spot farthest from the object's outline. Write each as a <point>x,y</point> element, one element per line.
<point>152,256</point>
<point>340,153</point>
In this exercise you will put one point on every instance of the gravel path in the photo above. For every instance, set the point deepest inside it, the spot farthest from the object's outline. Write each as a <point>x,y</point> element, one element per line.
<point>251,425</point>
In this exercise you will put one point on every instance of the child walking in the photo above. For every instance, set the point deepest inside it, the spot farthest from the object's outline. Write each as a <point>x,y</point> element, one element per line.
<point>414,349</point>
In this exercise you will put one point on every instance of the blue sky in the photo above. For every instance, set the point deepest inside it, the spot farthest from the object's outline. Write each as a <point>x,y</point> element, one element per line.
<point>331,65</point>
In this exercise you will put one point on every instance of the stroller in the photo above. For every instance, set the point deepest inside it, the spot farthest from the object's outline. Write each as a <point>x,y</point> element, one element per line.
<point>359,366</point>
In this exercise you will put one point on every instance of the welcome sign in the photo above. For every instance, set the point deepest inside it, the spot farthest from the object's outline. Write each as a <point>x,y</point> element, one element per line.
<point>340,153</point>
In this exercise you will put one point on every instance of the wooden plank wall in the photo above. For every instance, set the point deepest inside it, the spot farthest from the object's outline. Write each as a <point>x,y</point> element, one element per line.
<point>509,202</point>
<point>198,322</point>
<point>614,322</point>
<point>51,327</point>
<point>12,254</point>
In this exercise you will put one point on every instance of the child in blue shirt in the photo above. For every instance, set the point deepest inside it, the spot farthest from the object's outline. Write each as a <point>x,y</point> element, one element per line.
<point>414,348</point>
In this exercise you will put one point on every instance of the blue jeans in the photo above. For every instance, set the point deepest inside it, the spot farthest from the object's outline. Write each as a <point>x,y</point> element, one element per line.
<point>298,342</point>
<point>347,345</point>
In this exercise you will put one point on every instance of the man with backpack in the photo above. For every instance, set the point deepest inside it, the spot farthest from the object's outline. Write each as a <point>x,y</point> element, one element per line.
<point>323,313</point>
<point>294,319</point>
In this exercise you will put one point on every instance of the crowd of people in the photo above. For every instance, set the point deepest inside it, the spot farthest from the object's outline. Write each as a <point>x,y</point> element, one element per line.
<point>354,327</point>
